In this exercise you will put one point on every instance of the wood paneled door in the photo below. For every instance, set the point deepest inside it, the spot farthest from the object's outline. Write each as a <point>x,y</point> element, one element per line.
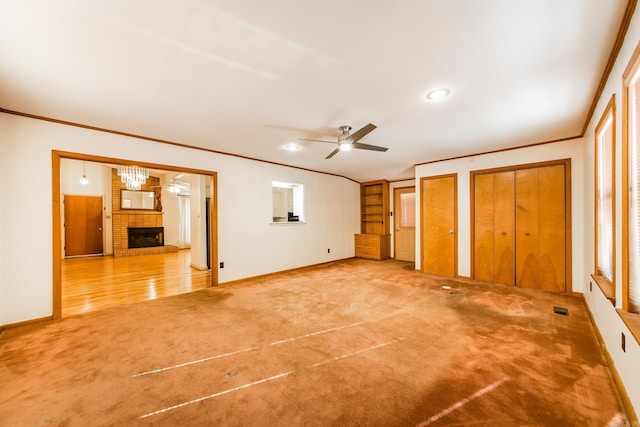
<point>438,225</point>
<point>404,214</point>
<point>494,247</point>
<point>521,230</point>
<point>82,225</point>
<point>540,228</point>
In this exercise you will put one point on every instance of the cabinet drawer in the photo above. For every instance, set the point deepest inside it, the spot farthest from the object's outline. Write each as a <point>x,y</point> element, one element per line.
<point>367,240</point>
<point>365,252</point>
<point>375,244</point>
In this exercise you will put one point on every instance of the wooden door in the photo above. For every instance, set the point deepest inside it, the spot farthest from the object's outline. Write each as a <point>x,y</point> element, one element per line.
<point>404,211</point>
<point>540,228</point>
<point>494,228</point>
<point>82,225</point>
<point>439,221</point>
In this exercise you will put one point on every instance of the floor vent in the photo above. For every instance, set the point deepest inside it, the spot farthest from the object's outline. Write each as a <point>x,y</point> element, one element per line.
<point>561,311</point>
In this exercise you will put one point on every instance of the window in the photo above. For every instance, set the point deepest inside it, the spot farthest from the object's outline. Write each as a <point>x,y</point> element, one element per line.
<point>287,202</point>
<point>605,200</point>
<point>408,209</point>
<point>631,186</point>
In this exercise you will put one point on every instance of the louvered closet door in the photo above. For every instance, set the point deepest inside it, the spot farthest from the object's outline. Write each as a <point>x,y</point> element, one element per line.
<point>540,228</point>
<point>494,238</point>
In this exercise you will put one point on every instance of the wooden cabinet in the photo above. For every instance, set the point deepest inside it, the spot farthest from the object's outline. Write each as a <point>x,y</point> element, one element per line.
<point>373,246</point>
<point>520,230</point>
<point>374,241</point>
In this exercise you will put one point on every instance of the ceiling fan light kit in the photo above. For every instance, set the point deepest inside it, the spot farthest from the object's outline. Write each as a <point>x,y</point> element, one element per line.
<point>345,146</point>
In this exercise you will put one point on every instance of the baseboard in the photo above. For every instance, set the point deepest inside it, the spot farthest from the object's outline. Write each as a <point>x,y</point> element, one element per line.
<point>25,323</point>
<point>619,385</point>
<point>262,276</point>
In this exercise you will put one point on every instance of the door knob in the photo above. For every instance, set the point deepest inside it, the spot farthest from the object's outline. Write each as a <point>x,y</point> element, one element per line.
<point>450,231</point>
<point>99,228</point>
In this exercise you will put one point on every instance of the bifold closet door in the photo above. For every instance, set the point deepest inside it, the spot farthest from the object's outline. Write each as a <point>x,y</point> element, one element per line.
<point>540,228</point>
<point>494,237</point>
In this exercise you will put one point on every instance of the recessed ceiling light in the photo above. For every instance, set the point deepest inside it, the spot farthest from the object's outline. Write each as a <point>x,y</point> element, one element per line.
<point>292,147</point>
<point>438,94</point>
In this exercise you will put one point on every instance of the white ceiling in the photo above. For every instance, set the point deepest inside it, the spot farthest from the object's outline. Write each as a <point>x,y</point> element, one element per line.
<point>249,76</point>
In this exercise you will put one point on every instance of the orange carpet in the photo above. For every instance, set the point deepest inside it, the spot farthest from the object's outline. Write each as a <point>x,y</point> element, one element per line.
<point>354,342</point>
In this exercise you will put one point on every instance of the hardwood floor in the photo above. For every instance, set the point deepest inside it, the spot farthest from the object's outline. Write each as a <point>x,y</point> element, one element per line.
<point>95,283</point>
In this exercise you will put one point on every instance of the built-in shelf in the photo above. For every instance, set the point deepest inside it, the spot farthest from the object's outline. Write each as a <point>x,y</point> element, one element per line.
<point>374,239</point>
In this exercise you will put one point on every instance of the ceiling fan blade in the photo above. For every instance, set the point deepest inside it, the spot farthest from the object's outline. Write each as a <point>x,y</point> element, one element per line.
<point>359,134</point>
<point>333,153</point>
<point>315,140</point>
<point>362,146</point>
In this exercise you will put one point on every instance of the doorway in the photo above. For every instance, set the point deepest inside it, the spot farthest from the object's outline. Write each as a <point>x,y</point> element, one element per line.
<point>439,207</point>
<point>58,232</point>
<point>404,237</point>
<point>82,226</point>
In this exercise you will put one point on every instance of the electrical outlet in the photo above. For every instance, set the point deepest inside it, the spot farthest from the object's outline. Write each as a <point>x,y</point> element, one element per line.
<point>623,342</point>
<point>328,251</point>
<point>590,286</point>
<point>222,264</point>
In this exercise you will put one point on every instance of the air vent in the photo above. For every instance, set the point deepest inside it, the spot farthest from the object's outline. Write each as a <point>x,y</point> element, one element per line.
<point>561,311</point>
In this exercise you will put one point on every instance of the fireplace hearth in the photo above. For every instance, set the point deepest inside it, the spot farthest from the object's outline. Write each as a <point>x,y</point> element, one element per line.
<point>145,237</point>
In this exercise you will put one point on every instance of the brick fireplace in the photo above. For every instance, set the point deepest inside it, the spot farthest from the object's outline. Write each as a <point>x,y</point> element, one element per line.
<point>124,219</point>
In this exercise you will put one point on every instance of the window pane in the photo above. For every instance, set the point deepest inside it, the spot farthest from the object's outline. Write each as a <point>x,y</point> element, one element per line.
<point>408,209</point>
<point>604,196</point>
<point>634,199</point>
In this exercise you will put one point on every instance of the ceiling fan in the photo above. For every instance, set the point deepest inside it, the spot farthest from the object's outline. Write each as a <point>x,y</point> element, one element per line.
<point>347,141</point>
<point>175,187</point>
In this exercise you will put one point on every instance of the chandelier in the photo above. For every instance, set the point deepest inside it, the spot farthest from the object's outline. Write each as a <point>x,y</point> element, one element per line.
<point>133,176</point>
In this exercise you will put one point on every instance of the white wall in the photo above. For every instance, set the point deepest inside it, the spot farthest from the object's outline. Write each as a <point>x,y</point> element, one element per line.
<point>247,241</point>
<point>256,245</point>
<point>607,319</point>
<point>4,205</point>
<point>197,209</point>
<point>561,150</point>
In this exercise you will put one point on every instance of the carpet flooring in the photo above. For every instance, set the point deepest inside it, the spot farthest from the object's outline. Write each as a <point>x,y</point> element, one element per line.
<point>353,342</point>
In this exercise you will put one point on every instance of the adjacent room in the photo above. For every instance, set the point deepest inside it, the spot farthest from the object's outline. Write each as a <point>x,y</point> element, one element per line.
<point>320,213</point>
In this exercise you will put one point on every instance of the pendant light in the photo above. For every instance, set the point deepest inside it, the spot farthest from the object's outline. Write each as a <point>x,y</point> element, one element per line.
<point>84,180</point>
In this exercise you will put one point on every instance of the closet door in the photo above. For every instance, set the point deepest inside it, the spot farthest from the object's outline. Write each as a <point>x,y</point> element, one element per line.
<point>494,237</point>
<point>540,228</point>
